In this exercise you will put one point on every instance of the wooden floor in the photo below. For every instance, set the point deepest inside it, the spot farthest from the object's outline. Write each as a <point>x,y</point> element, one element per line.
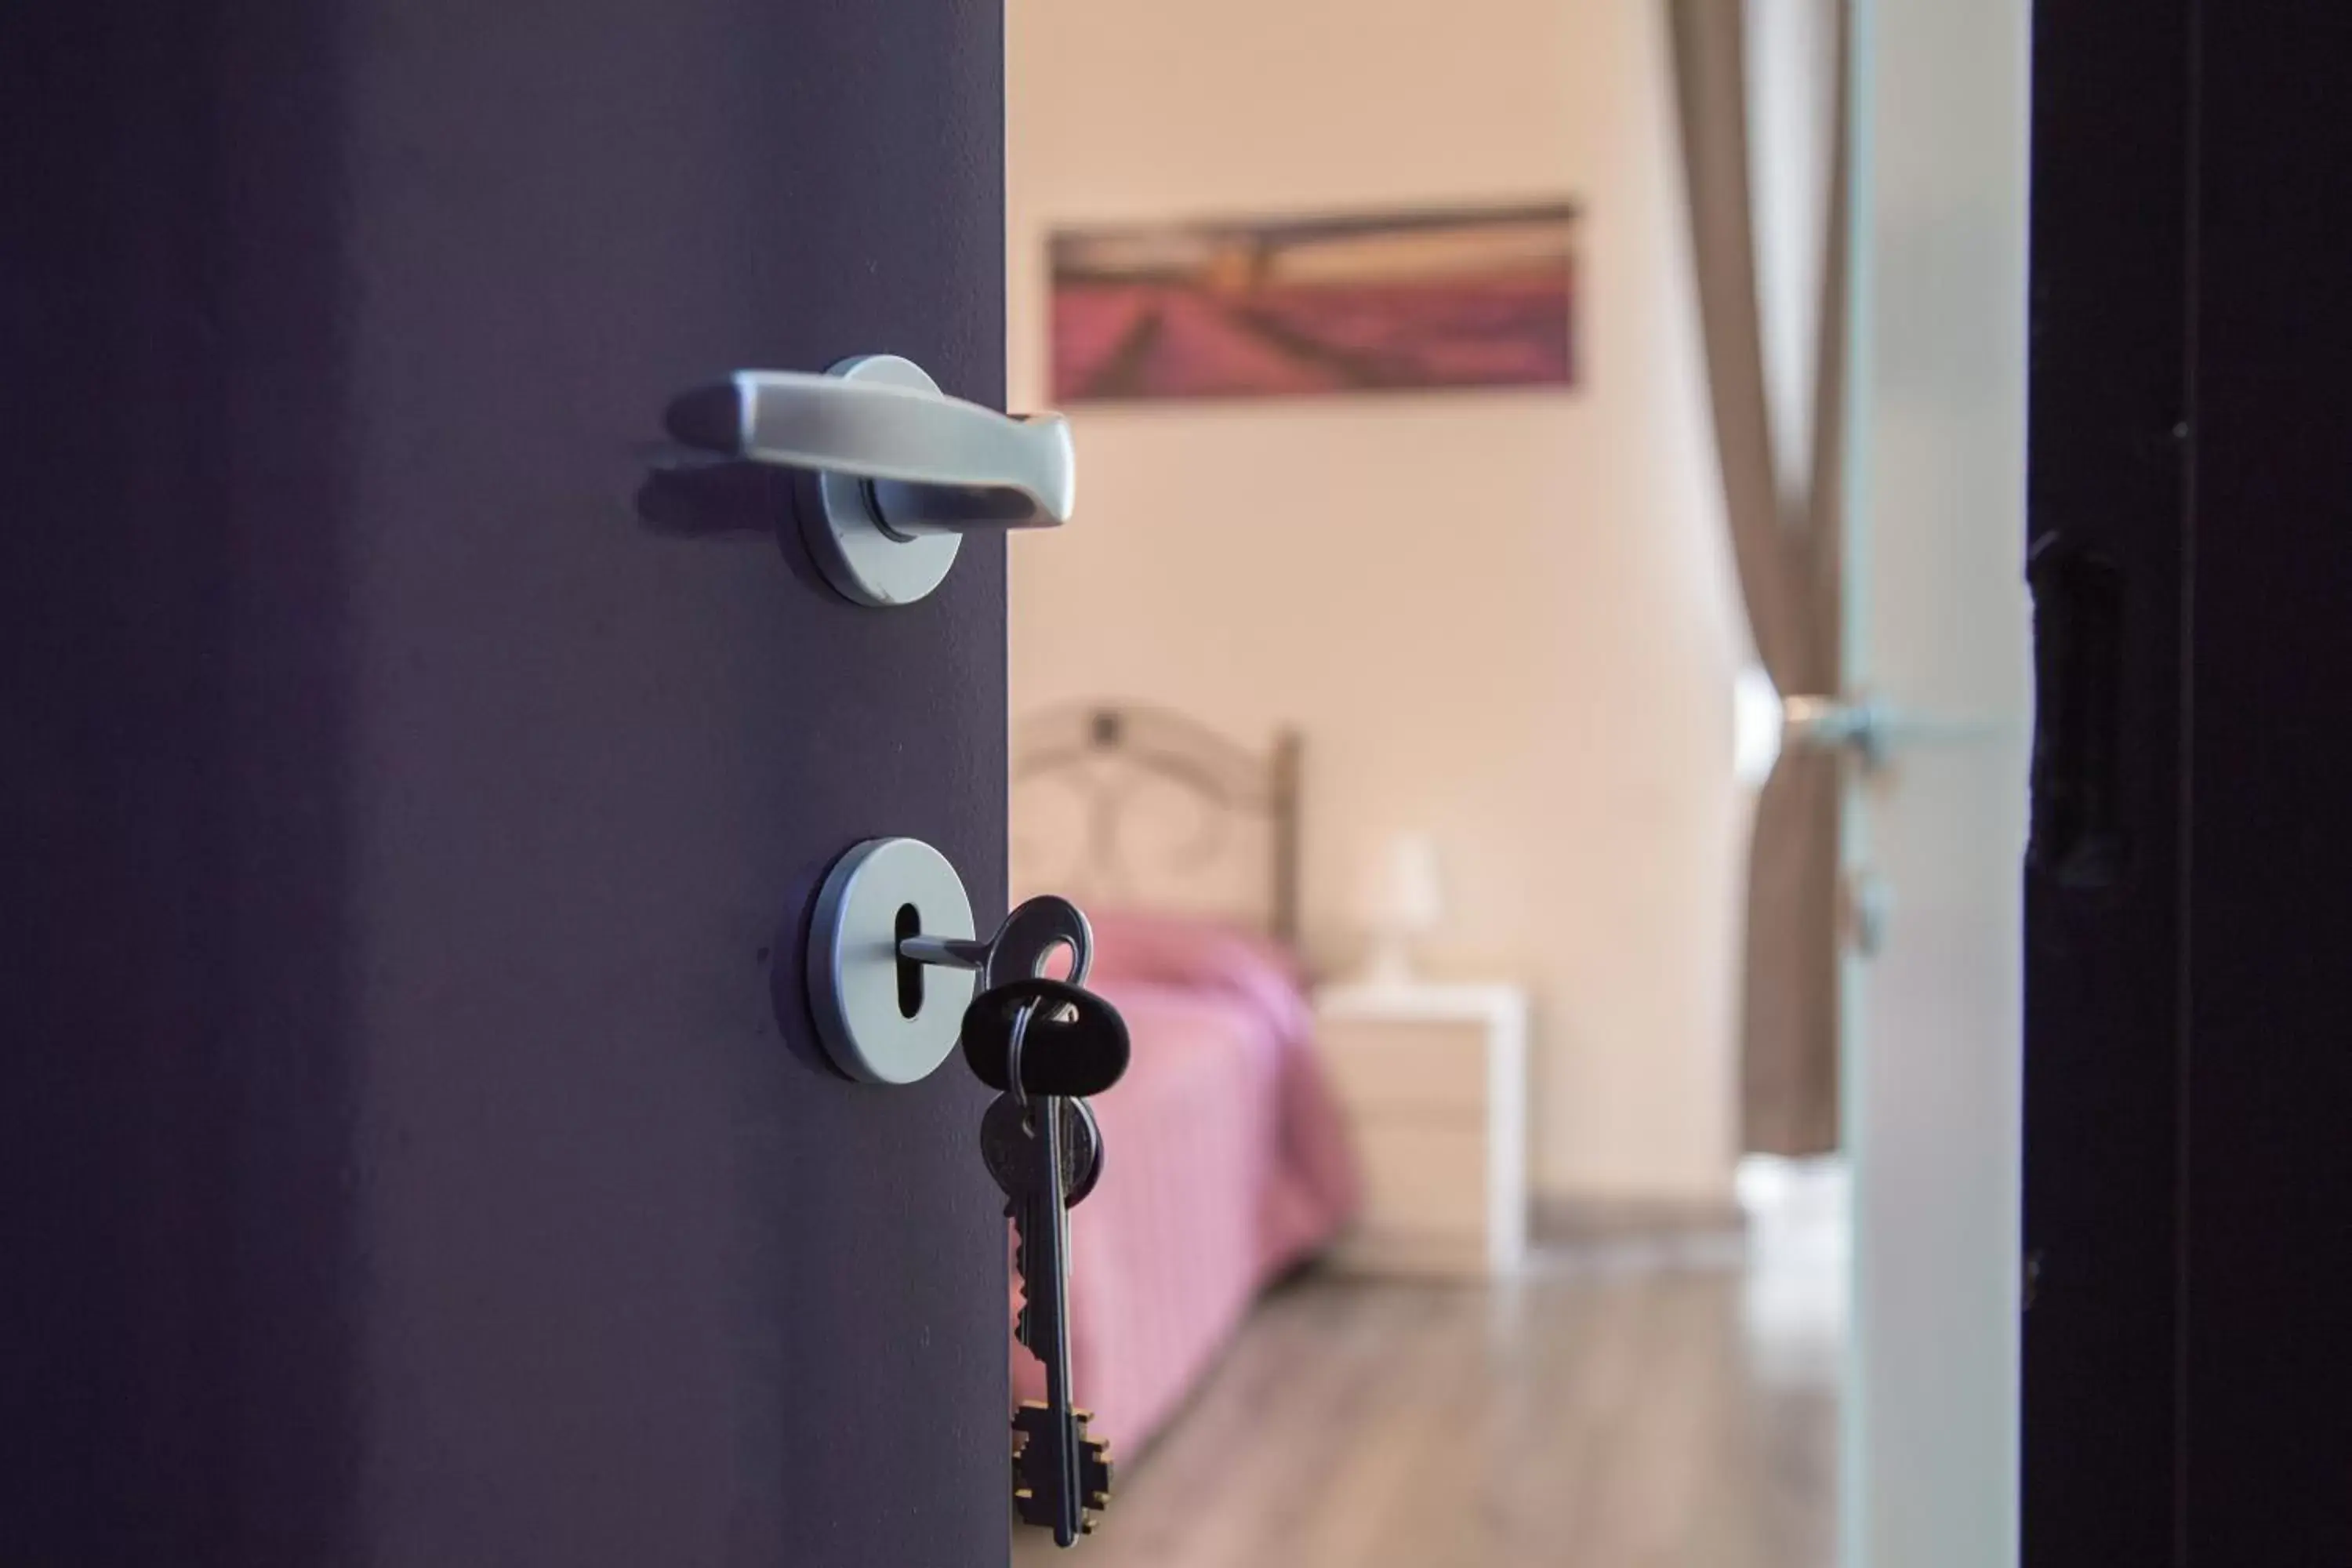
<point>1602,1418</point>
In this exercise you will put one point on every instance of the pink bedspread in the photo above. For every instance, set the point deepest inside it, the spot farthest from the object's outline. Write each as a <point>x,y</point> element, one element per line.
<point>1226,1161</point>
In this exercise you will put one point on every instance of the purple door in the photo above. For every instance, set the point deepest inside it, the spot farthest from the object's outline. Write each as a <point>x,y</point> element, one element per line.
<point>415,1149</point>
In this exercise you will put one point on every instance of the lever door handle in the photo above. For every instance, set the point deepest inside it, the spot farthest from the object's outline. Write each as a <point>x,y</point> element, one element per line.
<point>899,471</point>
<point>1831,723</point>
<point>1870,728</point>
<point>939,464</point>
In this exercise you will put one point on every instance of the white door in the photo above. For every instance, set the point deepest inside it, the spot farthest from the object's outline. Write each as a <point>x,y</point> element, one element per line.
<point>1938,640</point>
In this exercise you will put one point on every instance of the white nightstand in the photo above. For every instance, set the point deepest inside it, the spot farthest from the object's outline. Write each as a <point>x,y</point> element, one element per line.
<point>1434,1081</point>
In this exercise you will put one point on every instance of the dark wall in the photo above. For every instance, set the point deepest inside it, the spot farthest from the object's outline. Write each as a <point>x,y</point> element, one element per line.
<point>2267,1238</point>
<point>2189,903</point>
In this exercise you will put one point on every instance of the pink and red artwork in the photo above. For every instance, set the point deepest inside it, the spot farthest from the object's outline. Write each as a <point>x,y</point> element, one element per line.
<point>1375,302</point>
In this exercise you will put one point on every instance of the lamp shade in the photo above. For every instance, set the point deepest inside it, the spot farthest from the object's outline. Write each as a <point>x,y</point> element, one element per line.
<point>1407,893</point>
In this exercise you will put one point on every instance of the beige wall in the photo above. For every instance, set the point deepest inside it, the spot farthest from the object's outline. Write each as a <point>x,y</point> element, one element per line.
<point>1505,617</point>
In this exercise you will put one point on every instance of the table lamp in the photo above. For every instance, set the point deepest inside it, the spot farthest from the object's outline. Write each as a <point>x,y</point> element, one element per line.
<point>1405,900</point>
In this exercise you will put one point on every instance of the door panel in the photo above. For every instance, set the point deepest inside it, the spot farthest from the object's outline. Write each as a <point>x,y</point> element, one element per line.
<point>444,1189</point>
<point>1938,631</point>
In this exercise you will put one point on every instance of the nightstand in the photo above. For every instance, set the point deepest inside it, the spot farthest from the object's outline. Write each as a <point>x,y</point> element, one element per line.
<point>1433,1082</point>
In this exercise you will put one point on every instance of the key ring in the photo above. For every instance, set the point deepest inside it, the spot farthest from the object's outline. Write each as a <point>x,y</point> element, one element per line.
<point>1013,1059</point>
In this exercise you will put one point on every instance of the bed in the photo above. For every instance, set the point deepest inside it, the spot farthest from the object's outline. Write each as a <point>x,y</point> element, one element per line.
<point>1225,1160</point>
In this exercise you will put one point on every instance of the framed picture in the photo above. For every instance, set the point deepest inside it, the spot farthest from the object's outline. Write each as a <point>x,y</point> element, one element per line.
<point>1379,301</point>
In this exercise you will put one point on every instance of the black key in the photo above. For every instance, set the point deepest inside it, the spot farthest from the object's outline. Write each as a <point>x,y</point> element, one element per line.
<point>1007,1129</point>
<point>1075,1045</point>
<point>1035,1424</point>
<point>1060,1475</point>
<point>1009,1146</point>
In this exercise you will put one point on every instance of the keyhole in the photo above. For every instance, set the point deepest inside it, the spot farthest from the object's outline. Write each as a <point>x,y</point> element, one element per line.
<point>910,973</point>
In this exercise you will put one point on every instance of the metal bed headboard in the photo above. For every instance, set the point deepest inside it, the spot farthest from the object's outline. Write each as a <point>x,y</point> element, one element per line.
<point>1119,802</point>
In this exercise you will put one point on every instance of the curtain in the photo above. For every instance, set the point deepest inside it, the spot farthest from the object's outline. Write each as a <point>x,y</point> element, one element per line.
<point>1784,523</point>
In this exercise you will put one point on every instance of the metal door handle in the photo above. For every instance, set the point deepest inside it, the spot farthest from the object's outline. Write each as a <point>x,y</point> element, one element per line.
<point>1828,723</point>
<point>1868,728</point>
<point>900,470</point>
